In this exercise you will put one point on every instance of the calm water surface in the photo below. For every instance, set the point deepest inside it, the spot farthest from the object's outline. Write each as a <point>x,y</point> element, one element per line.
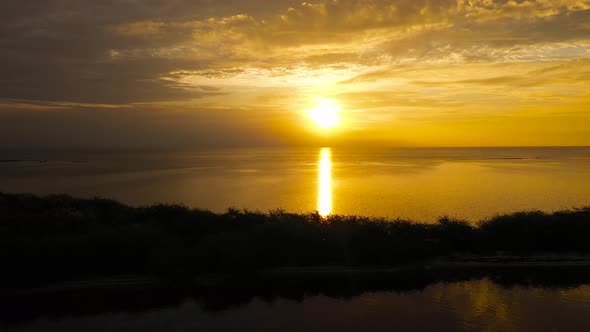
<point>472,305</point>
<point>419,184</point>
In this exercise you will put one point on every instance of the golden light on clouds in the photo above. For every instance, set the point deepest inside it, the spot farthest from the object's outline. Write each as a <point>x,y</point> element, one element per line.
<point>393,72</point>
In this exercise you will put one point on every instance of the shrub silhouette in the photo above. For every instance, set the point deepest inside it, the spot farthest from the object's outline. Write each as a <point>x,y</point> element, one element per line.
<point>59,237</point>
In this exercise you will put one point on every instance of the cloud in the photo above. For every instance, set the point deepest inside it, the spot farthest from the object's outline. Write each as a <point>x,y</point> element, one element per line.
<point>130,45</point>
<point>168,126</point>
<point>378,56</point>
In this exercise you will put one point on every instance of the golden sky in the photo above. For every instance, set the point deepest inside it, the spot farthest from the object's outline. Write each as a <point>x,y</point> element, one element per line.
<point>179,73</point>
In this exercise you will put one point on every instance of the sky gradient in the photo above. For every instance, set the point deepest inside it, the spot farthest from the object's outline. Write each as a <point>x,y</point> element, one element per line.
<point>184,74</point>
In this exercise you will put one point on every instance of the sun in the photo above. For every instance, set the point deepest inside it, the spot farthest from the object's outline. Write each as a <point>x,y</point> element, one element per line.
<point>325,114</point>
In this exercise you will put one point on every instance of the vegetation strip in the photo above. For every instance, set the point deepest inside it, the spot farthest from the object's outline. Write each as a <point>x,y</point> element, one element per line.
<point>57,237</point>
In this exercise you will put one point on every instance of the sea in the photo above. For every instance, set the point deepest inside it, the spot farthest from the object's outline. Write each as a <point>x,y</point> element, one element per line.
<point>420,184</point>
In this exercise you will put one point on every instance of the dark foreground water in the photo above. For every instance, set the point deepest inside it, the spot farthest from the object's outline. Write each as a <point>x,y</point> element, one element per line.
<point>515,299</point>
<point>420,184</point>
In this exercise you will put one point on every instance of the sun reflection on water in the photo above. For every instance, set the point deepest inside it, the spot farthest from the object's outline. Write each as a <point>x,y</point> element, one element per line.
<point>325,182</point>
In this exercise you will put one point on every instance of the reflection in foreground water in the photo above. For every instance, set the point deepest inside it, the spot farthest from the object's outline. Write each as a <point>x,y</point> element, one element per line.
<point>494,299</point>
<point>325,182</point>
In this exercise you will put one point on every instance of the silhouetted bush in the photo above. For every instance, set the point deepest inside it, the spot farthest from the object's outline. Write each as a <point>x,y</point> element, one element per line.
<point>59,237</point>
